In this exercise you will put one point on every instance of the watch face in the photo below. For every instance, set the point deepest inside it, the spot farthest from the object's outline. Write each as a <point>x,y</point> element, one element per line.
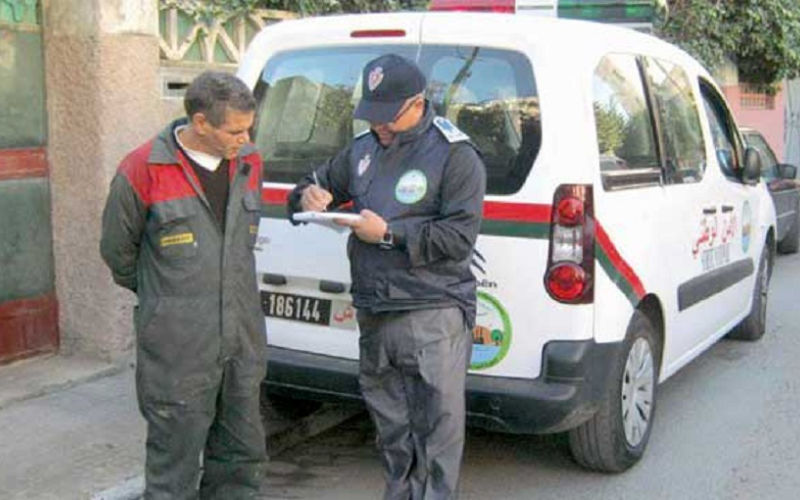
<point>387,239</point>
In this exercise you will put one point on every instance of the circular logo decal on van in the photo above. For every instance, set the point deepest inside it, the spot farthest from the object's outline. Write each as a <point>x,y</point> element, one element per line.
<point>411,187</point>
<point>491,336</point>
<point>747,226</point>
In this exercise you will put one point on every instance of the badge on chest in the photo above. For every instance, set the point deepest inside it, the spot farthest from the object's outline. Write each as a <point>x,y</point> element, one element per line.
<point>363,165</point>
<point>411,187</point>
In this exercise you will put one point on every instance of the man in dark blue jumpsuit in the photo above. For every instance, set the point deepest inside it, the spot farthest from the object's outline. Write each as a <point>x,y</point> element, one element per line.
<point>418,184</point>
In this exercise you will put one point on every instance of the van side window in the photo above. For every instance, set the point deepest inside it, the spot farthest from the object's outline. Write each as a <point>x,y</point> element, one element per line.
<point>306,100</point>
<point>726,140</point>
<point>490,95</point>
<point>625,138</point>
<point>678,121</point>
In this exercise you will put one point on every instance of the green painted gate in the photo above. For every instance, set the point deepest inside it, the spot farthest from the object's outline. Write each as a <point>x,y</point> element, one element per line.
<point>28,307</point>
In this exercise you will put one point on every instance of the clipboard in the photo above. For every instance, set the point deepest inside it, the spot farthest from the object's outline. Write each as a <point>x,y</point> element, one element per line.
<point>326,219</point>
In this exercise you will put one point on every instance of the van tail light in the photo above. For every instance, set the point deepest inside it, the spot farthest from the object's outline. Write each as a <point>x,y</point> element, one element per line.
<point>507,6</point>
<point>570,265</point>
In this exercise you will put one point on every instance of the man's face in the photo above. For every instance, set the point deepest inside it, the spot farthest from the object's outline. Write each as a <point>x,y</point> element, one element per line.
<point>407,117</point>
<point>226,139</point>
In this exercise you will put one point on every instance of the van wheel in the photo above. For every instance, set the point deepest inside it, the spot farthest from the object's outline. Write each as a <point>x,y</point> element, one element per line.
<point>791,242</point>
<point>616,436</point>
<point>753,326</point>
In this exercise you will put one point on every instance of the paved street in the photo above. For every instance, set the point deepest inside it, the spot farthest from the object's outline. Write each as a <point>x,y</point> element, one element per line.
<point>725,428</point>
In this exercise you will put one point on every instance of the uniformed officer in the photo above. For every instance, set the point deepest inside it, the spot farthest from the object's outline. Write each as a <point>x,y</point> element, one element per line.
<point>178,230</point>
<point>418,184</point>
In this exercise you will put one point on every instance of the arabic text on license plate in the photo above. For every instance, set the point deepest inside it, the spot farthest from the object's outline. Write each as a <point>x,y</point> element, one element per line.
<point>296,307</point>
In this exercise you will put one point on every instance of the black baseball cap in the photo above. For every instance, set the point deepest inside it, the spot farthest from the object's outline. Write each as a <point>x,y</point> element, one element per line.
<point>386,83</point>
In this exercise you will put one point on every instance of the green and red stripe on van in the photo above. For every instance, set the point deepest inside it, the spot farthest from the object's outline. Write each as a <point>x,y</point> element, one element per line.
<point>520,220</point>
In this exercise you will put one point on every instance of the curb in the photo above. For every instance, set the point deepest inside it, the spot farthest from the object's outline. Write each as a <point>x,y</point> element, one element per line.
<point>130,489</point>
<point>49,388</point>
<point>329,415</point>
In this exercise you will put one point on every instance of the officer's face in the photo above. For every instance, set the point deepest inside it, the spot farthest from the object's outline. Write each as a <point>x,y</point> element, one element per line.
<point>226,139</point>
<point>408,116</point>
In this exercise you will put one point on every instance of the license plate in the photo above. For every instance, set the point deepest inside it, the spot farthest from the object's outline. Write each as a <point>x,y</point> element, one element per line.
<point>296,307</point>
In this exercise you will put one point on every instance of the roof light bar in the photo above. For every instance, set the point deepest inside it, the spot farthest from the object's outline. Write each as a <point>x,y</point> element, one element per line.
<point>508,6</point>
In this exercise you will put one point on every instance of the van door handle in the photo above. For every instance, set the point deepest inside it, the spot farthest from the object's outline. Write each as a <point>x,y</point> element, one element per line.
<point>274,279</point>
<point>332,286</point>
<point>727,208</point>
<point>710,210</point>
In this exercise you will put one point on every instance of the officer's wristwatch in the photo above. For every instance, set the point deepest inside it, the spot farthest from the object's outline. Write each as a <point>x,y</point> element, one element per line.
<point>387,240</point>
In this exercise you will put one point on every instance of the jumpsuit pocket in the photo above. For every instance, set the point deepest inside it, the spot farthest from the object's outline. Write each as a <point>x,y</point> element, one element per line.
<point>252,211</point>
<point>175,237</point>
<point>136,320</point>
<point>143,313</point>
<point>177,348</point>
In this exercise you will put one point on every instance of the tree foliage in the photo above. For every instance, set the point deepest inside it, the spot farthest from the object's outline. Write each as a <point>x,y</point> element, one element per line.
<point>610,128</point>
<point>761,37</point>
<point>312,7</point>
<point>208,10</point>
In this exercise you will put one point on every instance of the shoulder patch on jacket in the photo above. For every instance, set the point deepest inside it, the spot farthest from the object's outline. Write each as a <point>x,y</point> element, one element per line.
<point>449,131</point>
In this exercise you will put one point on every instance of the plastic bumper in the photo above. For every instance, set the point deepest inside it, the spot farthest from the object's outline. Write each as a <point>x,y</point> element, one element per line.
<point>573,381</point>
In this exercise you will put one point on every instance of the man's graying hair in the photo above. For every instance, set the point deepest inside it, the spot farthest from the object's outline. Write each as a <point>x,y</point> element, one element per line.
<point>212,92</point>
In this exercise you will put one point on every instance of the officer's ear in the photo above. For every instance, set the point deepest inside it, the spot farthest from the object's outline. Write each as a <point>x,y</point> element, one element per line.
<point>419,103</point>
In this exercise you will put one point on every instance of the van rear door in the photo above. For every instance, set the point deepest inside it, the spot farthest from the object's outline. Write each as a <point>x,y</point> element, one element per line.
<point>306,95</point>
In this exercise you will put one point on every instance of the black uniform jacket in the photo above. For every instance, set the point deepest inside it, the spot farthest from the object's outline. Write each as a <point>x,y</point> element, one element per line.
<point>428,185</point>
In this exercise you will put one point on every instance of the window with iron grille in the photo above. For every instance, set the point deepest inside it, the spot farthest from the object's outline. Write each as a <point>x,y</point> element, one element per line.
<point>752,98</point>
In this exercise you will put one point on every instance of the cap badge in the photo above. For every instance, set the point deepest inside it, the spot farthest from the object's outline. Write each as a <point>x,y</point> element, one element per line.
<point>375,78</point>
<point>363,165</point>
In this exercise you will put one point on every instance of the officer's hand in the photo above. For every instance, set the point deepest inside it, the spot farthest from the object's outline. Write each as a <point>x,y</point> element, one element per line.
<point>369,229</point>
<point>315,199</point>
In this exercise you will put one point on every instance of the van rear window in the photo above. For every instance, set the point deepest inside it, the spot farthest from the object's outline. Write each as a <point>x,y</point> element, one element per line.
<point>306,100</point>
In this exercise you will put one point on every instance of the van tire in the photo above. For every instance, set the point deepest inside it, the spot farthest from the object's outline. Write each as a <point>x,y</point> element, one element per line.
<point>791,241</point>
<point>755,324</point>
<point>600,443</point>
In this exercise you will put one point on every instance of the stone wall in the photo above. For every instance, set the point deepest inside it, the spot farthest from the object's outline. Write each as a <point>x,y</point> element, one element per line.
<point>101,60</point>
<point>116,71</point>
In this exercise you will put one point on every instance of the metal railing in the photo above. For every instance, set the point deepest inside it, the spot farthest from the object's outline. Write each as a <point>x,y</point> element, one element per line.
<point>183,39</point>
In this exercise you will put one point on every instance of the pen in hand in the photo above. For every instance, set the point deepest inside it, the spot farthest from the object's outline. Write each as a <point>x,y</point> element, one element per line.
<point>316,183</point>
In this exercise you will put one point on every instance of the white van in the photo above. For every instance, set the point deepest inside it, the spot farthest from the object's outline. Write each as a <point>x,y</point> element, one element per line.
<point>625,227</point>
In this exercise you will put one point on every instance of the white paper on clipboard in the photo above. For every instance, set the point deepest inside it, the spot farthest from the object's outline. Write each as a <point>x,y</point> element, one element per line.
<point>326,219</point>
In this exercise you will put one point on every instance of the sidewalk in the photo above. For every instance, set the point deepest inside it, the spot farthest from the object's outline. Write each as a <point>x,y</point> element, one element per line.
<point>68,429</point>
<point>71,429</point>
